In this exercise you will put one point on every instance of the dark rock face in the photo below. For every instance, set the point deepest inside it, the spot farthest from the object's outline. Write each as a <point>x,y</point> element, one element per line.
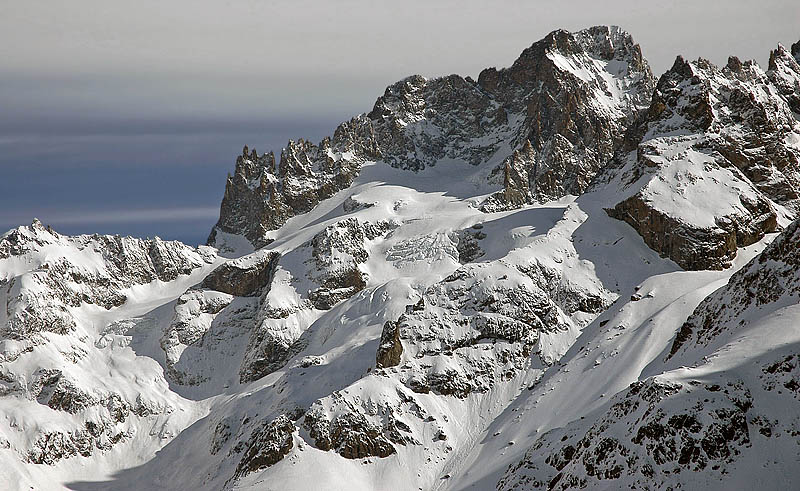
<point>267,446</point>
<point>245,276</point>
<point>420,122</point>
<point>62,394</point>
<point>784,72</point>
<point>53,447</point>
<point>707,125</point>
<point>695,248</point>
<point>390,348</point>
<point>521,181</point>
<point>468,243</point>
<point>772,276</point>
<point>351,435</point>
<point>781,375</point>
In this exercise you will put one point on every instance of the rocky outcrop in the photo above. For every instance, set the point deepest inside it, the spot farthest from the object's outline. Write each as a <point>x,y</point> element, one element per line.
<point>468,243</point>
<point>693,247</point>
<point>207,326</point>
<point>390,348</point>
<point>351,435</point>
<point>782,374</point>
<point>712,161</point>
<point>245,276</point>
<point>271,340</point>
<point>267,446</point>
<point>361,429</point>
<point>55,446</point>
<point>337,252</point>
<point>260,197</point>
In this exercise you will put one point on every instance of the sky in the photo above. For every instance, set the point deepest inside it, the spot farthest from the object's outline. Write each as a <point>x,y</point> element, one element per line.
<point>125,117</point>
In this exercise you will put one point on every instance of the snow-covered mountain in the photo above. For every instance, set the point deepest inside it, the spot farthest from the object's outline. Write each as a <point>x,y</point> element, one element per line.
<point>565,274</point>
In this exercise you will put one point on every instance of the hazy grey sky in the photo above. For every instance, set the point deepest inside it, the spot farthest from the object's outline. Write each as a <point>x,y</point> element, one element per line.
<point>229,59</point>
<point>137,107</point>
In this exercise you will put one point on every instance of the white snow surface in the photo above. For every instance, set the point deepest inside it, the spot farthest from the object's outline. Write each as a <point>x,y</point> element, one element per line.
<point>599,356</point>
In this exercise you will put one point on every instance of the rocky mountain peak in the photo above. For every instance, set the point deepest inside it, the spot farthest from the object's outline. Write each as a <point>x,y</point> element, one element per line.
<point>16,241</point>
<point>784,71</point>
<point>605,43</point>
<point>259,198</point>
<point>685,80</point>
<point>540,60</point>
<point>571,95</point>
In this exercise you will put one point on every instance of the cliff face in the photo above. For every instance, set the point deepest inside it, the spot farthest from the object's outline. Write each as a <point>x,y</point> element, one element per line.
<point>260,197</point>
